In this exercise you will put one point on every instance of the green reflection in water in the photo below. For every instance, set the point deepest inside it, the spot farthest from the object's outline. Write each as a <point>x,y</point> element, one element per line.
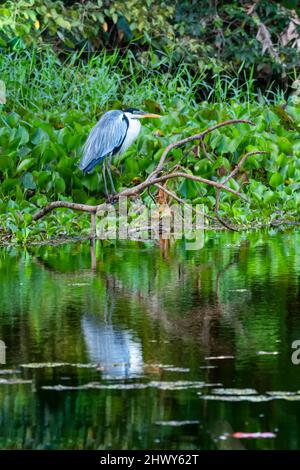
<point>132,336</point>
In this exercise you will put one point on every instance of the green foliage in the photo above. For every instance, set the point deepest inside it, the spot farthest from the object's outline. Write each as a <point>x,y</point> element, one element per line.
<point>43,127</point>
<point>94,23</point>
<point>205,35</point>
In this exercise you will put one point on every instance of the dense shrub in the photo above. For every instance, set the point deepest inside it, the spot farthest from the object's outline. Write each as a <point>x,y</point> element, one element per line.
<point>206,35</point>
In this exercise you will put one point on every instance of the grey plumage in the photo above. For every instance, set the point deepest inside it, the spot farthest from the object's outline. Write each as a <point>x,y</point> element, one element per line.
<point>105,139</point>
<point>112,135</point>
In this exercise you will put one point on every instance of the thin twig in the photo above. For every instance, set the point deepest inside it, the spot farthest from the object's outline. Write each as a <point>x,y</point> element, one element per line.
<point>240,163</point>
<point>203,146</point>
<point>152,178</point>
<point>182,201</point>
<point>225,180</point>
<point>199,136</point>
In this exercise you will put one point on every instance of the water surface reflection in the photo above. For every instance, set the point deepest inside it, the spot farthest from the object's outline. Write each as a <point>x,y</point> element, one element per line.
<point>143,348</point>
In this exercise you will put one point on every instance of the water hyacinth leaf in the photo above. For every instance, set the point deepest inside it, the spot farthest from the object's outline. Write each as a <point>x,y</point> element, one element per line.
<point>39,136</point>
<point>72,141</point>
<point>91,182</point>
<point>28,181</point>
<point>252,162</point>
<point>42,178</point>
<point>39,150</point>
<point>9,184</point>
<point>65,166</point>
<point>269,197</point>
<point>6,163</point>
<point>79,195</point>
<point>131,167</point>
<point>23,151</point>
<point>276,180</point>
<point>26,164</point>
<point>22,135</point>
<point>291,170</point>
<point>222,162</point>
<point>13,119</point>
<point>188,189</point>
<point>58,183</point>
<point>284,145</point>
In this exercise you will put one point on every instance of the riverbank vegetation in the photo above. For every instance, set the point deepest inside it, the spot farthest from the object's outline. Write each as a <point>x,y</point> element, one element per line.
<point>58,87</point>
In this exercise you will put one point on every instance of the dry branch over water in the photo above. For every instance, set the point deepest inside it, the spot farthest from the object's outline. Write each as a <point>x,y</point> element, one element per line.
<point>155,178</point>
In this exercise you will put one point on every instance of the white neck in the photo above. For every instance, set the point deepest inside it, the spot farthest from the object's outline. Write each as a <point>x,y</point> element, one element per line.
<point>132,132</point>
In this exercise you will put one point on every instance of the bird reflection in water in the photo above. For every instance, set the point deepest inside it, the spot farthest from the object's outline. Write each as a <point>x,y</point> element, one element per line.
<point>115,349</point>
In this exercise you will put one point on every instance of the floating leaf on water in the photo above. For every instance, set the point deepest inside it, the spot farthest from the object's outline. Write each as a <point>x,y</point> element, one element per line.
<point>291,396</point>
<point>95,386</point>
<point>41,365</point>
<point>253,435</point>
<point>288,397</point>
<point>208,367</point>
<point>14,381</point>
<point>79,284</point>
<point>267,353</point>
<point>59,388</point>
<point>210,358</point>
<point>86,366</point>
<point>166,367</point>
<point>231,398</point>
<point>238,290</point>
<point>9,371</point>
<point>234,391</point>
<point>131,376</point>
<point>177,423</point>
<point>176,385</point>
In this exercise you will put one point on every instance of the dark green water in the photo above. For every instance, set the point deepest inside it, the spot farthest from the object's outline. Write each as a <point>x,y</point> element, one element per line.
<point>135,336</point>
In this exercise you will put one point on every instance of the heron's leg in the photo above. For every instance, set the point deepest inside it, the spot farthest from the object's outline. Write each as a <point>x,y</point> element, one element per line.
<point>109,174</point>
<point>104,179</point>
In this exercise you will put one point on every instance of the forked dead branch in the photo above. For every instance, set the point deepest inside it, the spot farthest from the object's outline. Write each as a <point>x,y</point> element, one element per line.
<point>158,176</point>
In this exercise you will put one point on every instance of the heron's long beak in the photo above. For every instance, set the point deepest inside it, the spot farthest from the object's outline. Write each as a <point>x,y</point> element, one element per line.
<point>149,115</point>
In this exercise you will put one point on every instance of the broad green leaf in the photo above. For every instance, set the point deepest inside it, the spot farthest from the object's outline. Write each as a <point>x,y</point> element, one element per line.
<point>276,180</point>
<point>27,181</point>
<point>26,164</point>
<point>6,163</point>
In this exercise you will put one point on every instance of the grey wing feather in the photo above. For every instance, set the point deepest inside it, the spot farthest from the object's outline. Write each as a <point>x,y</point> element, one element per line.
<point>105,137</point>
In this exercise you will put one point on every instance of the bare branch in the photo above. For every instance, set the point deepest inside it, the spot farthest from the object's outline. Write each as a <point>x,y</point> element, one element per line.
<point>205,151</point>
<point>68,205</point>
<point>225,180</point>
<point>154,179</point>
<point>199,136</point>
<point>240,163</point>
<point>182,201</point>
